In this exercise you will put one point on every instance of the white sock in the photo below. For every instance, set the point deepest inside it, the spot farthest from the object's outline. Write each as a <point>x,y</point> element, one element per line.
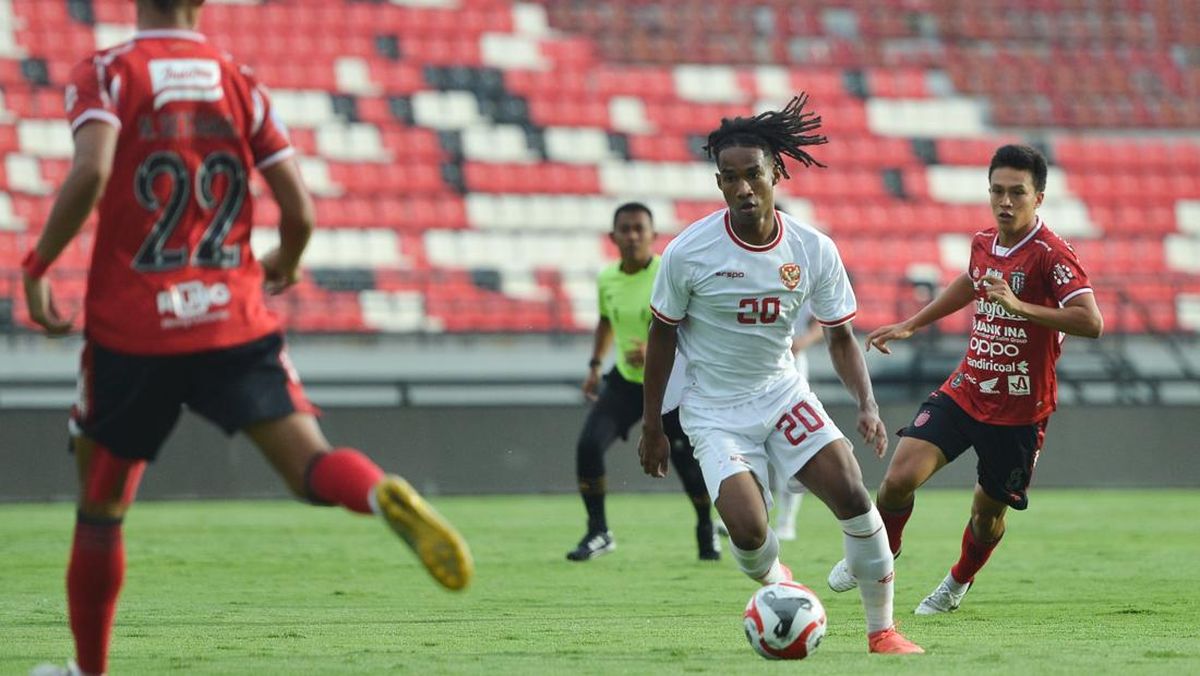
<point>870,561</point>
<point>761,564</point>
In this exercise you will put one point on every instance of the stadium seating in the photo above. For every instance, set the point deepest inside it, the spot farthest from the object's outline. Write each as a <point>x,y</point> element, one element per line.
<point>466,154</point>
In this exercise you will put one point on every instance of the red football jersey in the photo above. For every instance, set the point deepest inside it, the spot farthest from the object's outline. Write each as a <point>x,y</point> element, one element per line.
<point>1007,376</point>
<point>172,270</point>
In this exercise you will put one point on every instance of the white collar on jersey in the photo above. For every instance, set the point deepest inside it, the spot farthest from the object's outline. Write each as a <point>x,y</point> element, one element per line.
<point>178,33</point>
<point>1005,252</point>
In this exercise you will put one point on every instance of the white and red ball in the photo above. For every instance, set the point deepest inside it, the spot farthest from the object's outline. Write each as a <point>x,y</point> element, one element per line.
<point>784,621</point>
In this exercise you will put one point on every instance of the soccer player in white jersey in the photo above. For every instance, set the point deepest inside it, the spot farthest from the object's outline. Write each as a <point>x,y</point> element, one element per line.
<point>727,294</point>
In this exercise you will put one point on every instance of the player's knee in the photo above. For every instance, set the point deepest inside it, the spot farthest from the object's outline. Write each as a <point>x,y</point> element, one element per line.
<point>897,487</point>
<point>986,524</point>
<point>747,536</point>
<point>110,484</point>
<point>852,502</point>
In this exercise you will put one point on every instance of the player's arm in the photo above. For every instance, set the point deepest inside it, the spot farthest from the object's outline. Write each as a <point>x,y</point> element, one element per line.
<point>601,340</point>
<point>297,217</point>
<point>957,295</point>
<point>1079,316</point>
<point>660,358</point>
<point>851,367</point>
<point>95,145</point>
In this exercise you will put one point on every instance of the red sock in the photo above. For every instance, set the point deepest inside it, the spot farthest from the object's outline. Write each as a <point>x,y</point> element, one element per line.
<point>94,579</point>
<point>974,555</point>
<point>344,477</point>
<point>893,523</point>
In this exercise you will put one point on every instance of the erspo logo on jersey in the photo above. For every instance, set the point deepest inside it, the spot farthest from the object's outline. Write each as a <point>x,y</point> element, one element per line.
<point>185,80</point>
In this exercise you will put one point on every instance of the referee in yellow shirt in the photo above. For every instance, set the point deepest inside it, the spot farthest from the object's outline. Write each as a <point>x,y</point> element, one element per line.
<point>624,292</point>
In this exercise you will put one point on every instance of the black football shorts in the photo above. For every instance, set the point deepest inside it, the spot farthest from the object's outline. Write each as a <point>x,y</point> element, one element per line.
<point>1006,454</point>
<point>130,403</point>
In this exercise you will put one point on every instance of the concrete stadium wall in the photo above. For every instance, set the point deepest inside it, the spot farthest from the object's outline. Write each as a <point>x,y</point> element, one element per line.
<point>530,449</point>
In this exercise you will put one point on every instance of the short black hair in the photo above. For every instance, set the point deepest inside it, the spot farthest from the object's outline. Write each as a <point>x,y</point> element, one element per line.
<point>776,132</point>
<point>632,207</point>
<point>1023,158</point>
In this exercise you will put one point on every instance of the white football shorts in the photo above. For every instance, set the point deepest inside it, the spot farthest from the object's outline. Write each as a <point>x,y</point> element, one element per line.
<point>785,426</point>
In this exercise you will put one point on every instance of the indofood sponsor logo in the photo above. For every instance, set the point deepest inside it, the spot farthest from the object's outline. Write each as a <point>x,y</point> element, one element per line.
<point>993,310</point>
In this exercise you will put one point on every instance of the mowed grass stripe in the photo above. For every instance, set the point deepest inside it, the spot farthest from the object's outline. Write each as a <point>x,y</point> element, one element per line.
<point>1085,581</point>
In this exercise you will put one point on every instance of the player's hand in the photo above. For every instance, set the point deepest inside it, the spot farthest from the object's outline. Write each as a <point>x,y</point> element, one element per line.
<point>880,337</point>
<point>998,291</point>
<point>653,450</point>
<point>873,431</point>
<point>279,275</point>
<point>591,384</point>
<point>43,311</point>
<point>636,355</point>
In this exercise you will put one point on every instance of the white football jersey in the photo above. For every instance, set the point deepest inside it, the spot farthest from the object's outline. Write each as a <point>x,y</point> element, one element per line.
<point>736,304</point>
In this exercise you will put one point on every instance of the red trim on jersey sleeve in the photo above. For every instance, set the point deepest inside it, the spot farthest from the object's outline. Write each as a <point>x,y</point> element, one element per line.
<point>837,322</point>
<point>663,318</point>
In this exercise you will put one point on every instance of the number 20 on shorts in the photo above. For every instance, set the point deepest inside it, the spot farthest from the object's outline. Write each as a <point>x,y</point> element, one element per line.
<point>801,414</point>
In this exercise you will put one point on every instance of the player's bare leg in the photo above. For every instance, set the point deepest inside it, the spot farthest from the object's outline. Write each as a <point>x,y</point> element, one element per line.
<point>297,449</point>
<point>754,545</point>
<point>833,476</point>
<point>980,538</point>
<point>108,485</point>
<point>914,462</point>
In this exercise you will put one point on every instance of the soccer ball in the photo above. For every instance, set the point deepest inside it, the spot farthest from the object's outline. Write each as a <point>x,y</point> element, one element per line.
<point>784,621</point>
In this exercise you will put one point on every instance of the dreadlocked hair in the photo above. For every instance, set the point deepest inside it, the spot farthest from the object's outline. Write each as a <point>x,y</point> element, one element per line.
<point>778,132</point>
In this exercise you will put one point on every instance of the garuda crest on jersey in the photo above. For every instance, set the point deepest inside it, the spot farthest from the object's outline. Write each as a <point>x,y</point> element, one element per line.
<point>789,274</point>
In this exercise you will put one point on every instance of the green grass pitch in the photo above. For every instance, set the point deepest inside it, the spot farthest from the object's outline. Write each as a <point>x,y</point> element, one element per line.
<point>1085,582</point>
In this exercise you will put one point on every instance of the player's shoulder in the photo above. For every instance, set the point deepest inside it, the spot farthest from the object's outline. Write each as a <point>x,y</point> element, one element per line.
<point>697,235</point>
<point>803,231</point>
<point>1051,241</point>
<point>107,56</point>
<point>982,240</point>
<point>173,57</point>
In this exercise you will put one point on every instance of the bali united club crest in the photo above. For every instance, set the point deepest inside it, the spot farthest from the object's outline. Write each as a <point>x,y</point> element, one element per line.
<point>1017,282</point>
<point>789,273</point>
